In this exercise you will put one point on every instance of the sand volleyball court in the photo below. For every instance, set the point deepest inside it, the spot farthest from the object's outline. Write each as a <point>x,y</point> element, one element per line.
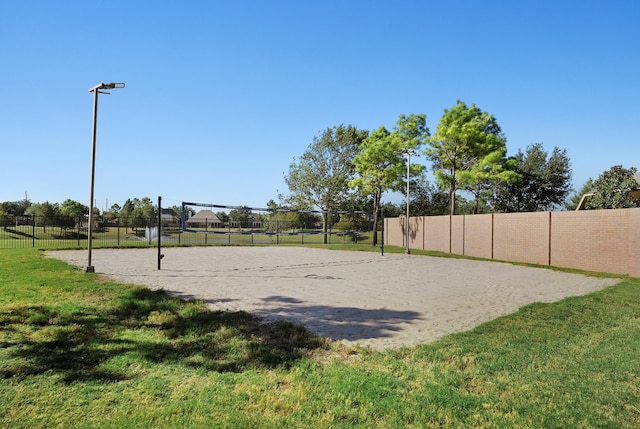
<point>355,297</point>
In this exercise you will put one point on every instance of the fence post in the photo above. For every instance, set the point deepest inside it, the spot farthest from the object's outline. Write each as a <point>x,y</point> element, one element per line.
<point>424,232</point>
<point>492,232</point>
<point>33,230</point>
<point>375,231</point>
<point>464,232</point>
<point>549,252</point>
<point>160,255</point>
<point>450,231</point>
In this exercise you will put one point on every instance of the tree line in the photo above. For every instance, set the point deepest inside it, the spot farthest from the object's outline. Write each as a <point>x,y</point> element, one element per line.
<point>135,213</point>
<point>346,168</point>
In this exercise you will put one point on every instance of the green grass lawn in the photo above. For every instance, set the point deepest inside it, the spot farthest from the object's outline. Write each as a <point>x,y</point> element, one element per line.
<point>80,351</point>
<point>58,238</point>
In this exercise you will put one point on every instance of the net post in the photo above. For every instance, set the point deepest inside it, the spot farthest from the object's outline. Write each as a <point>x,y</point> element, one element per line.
<point>182,217</point>
<point>375,229</point>
<point>160,255</point>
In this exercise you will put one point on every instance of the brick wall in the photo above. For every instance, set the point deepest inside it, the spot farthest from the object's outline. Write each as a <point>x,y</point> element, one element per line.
<point>595,240</point>
<point>522,237</point>
<point>606,242</point>
<point>478,236</point>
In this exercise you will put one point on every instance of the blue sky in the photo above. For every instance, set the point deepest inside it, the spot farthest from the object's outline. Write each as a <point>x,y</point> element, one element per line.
<point>221,96</point>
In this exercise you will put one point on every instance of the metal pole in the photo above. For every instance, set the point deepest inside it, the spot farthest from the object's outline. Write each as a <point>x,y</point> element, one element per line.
<point>160,255</point>
<point>90,268</point>
<point>408,153</point>
<point>376,229</point>
<point>96,90</point>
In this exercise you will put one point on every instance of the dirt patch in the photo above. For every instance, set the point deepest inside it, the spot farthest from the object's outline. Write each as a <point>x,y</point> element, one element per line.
<point>355,297</point>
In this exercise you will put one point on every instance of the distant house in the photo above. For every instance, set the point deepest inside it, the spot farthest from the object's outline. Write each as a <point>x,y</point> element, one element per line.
<point>204,219</point>
<point>252,222</point>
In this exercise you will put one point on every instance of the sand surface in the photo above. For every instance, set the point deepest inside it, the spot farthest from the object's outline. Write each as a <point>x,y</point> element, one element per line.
<point>355,297</point>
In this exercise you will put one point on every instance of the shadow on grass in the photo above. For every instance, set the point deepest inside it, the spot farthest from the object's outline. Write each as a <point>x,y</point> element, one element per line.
<point>349,323</point>
<point>339,322</point>
<point>16,232</point>
<point>70,235</point>
<point>140,327</point>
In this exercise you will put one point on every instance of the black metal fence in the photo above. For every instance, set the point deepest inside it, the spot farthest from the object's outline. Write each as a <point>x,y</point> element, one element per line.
<point>65,232</point>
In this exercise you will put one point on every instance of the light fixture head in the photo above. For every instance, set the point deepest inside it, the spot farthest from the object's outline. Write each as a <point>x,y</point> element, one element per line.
<point>112,85</point>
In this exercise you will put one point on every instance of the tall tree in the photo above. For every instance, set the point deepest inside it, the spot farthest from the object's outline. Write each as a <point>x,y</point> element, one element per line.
<point>16,208</point>
<point>320,178</point>
<point>147,211</point>
<point>615,188</point>
<point>544,182</point>
<point>71,213</point>
<point>223,216</point>
<point>380,163</point>
<point>427,199</point>
<point>46,214</point>
<point>389,209</point>
<point>240,217</point>
<point>484,175</point>
<point>127,209</point>
<point>277,221</point>
<point>6,219</point>
<point>73,209</point>
<point>465,148</point>
<point>138,213</point>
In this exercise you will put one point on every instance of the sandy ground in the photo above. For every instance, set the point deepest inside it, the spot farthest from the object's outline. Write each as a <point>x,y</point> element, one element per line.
<point>355,297</point>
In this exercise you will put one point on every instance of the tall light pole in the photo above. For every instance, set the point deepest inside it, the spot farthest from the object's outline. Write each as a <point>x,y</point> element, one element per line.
<point>407,152</point>
<point>98,89</point>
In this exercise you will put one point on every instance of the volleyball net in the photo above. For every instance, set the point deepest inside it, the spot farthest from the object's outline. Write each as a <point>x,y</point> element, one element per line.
<point>228,223</point>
